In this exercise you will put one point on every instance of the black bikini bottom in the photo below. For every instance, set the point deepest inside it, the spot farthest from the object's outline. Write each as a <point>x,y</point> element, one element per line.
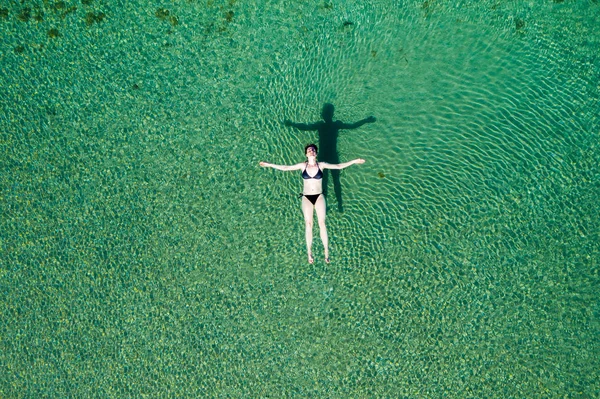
<point>312,197</point>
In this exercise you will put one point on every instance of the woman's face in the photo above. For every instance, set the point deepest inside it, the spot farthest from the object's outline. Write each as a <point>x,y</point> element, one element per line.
<point>311,152</point>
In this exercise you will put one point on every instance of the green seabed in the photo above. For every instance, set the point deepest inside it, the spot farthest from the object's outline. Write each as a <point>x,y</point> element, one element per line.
<point>145,253</point>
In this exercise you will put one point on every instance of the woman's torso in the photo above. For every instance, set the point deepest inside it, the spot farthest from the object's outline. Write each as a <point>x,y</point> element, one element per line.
<point>313,179</point>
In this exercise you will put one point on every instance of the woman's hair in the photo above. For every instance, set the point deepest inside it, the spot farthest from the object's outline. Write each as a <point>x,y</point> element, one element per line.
<point>311,145</point>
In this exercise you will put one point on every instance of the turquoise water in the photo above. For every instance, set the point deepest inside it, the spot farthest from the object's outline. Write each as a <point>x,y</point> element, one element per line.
<point>144,253</point>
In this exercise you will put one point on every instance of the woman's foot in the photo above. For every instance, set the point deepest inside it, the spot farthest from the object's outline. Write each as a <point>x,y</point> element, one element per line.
<point>311,260</point>
<point>327,260</point>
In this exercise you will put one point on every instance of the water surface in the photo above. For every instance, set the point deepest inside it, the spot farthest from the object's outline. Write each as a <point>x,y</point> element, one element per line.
<point>145,253</point>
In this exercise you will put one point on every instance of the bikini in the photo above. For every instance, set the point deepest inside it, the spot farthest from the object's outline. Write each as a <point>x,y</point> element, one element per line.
<point>312,197</point>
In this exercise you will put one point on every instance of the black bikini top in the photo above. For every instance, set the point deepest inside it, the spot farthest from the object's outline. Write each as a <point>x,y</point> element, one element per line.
<point>318,176</point>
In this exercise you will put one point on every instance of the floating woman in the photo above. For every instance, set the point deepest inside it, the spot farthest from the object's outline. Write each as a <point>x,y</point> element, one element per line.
<point>312,195</point>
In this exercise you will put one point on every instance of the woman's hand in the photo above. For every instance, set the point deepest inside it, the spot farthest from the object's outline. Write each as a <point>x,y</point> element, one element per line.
<point>359,160</point>
<point>263,164</point>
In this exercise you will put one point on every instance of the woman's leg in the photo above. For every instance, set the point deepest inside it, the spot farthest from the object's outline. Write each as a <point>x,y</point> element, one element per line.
<point>321,208</point>
<point>307,210</point>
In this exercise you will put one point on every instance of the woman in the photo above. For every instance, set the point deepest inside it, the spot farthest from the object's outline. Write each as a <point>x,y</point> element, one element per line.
<point>312,195</point>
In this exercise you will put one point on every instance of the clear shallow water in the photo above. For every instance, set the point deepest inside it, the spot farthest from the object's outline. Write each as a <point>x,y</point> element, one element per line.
<point>144,252</point>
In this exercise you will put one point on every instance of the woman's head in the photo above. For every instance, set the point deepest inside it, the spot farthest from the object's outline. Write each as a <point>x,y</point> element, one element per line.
<point>311,148</point>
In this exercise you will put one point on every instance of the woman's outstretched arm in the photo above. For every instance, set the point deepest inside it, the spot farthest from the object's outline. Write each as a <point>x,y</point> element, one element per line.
<point>298,166</point>
<point>324,165</point>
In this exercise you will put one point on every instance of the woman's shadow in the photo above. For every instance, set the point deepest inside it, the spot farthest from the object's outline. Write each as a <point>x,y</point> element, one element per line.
<point>328,133</point>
